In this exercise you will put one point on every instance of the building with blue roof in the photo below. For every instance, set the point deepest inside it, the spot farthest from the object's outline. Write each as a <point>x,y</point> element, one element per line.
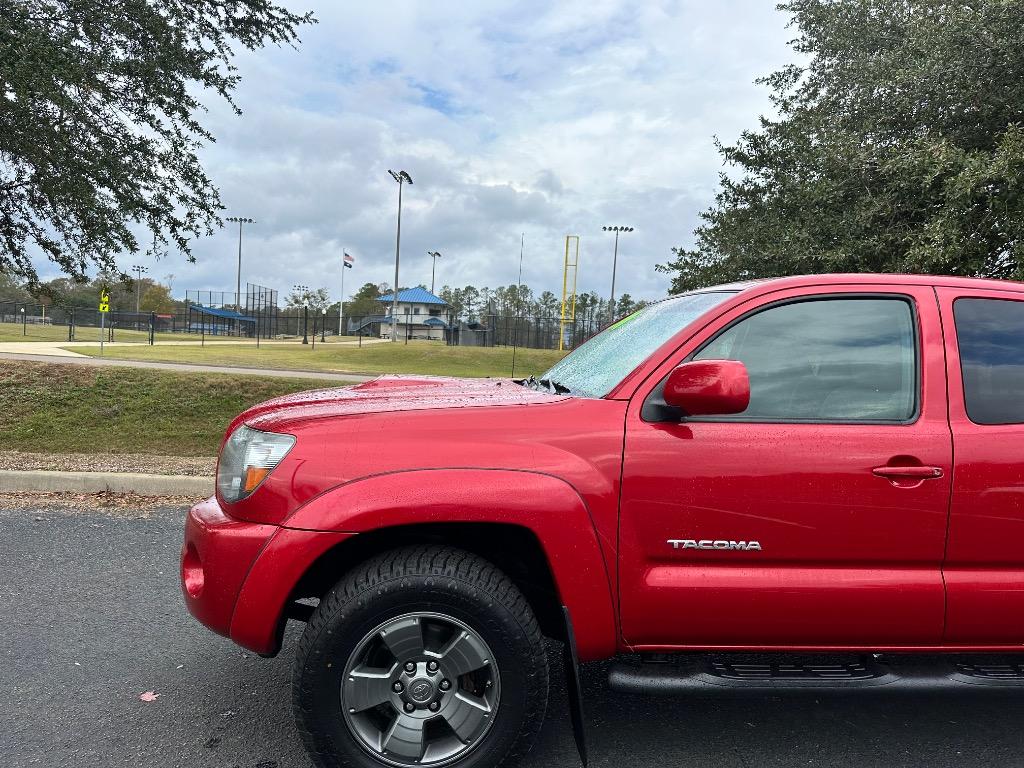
<point>413,296</point>
<point>421,315</point>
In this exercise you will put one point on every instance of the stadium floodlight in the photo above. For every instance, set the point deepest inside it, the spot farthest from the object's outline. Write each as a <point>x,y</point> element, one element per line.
<point>402,178</point>
<point>240,220</point>
<point>433,267</point>
<point>139,271</point>
<point>615,260</point>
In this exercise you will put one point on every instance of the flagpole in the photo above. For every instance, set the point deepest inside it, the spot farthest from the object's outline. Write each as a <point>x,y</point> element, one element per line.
<point>341,307</point>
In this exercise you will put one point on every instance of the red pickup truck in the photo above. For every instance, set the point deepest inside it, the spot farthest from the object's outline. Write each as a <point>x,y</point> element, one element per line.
<point>810,483</point>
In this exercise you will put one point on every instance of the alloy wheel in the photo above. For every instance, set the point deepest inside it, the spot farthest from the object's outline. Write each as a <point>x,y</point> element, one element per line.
<point>421,689</point>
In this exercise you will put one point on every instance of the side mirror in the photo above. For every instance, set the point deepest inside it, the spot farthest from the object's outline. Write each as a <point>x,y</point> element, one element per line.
<point>709,388</point>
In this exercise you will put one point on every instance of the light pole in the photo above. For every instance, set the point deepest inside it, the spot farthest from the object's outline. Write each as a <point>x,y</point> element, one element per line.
<point>402,178</point>
<point>305,322</point>
<point>301,292</point>
<point>615,262</point>
<point>24,326</point>
<point>139,272</point>
<point>323,324</point>
<point>433,267</point>
<point>238,282</point>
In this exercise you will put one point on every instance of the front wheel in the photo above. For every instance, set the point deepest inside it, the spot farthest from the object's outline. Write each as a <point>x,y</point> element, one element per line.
<point>424,656</point>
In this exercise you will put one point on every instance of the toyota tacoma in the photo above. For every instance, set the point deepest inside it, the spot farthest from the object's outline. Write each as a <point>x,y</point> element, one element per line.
<point>801,484</point>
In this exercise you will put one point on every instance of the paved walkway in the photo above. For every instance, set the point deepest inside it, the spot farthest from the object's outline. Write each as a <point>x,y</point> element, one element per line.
<point>76,359</point>
<point>30,348</point>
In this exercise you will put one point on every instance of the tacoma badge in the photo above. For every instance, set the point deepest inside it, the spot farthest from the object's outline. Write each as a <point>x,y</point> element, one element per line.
<point>714,544</point>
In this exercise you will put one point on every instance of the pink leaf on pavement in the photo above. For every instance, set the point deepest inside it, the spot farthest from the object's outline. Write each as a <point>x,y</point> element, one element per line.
<point>149,696</point>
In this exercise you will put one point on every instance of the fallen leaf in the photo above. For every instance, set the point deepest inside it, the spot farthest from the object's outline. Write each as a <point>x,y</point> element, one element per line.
<point>149,696</point>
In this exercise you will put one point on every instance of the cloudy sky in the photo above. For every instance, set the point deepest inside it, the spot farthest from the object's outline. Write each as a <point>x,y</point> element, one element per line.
<point>512,117</point>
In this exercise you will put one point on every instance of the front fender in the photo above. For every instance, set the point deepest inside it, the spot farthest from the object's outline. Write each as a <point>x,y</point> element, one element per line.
<point>546,505</point>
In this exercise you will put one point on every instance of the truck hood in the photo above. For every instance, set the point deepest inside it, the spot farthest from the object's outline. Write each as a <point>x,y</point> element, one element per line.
<point>390,394</point>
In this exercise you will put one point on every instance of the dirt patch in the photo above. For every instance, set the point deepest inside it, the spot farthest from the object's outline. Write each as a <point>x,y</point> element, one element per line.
<point>196,466</point>
<point>123,505</point>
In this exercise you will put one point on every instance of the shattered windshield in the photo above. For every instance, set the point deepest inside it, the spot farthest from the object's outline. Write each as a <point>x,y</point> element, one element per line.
<point>594,369</point>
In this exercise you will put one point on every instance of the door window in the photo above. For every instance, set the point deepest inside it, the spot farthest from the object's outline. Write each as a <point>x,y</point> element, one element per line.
<point>990,334</point>
<point>826,360</point>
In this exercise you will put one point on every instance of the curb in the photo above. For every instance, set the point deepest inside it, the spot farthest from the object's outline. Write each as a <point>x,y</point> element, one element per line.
<point>47,481</point>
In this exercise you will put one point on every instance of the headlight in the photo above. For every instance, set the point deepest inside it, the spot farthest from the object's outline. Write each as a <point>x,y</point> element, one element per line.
<point>248,457</point>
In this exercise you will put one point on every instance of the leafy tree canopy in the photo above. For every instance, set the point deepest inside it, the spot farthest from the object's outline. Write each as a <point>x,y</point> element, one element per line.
<point>317,298</point>
<point>98,121</point>
<point>11,290</point>
<point>898,147</point>
<point>364,301</point>
<point>157,298</point>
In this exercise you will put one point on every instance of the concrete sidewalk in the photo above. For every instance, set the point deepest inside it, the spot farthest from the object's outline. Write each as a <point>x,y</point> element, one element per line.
<point>76,359</point>
<point>29,348</point>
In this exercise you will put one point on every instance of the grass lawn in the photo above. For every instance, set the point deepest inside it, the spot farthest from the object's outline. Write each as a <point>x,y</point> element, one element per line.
<point>416,357</point>
<point>14,332</point>
<point>77,409</point>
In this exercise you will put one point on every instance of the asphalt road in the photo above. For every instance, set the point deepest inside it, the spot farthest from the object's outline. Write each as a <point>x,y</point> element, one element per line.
<point>91,618</point>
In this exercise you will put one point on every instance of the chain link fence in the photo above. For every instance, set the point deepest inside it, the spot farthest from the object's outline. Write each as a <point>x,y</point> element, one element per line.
<point>198,323</point>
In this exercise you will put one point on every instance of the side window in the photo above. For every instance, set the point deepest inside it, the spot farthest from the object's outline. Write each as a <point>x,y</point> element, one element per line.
<point>990,333</point>
<point>826,360</point>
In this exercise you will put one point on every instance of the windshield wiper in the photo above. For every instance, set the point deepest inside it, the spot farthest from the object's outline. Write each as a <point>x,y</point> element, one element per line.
<point>554,387</point>
<point>530,382</point>
<point>547,385</point>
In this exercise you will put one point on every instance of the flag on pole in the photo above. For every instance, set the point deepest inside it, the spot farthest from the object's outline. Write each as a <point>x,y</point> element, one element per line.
<point>349,260</point>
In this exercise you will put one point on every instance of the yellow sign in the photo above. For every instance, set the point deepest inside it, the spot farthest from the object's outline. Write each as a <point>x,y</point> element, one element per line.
<point>104,301</point>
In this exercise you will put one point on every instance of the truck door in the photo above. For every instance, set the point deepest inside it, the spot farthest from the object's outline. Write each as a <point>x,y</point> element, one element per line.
<point>984,566</point>
<point>817,518</point>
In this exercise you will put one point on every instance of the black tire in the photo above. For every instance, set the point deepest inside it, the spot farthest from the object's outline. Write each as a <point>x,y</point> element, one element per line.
<point>436,579</point>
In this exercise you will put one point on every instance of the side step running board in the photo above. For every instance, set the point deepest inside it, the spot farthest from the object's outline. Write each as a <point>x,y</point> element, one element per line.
<point>761,674</point>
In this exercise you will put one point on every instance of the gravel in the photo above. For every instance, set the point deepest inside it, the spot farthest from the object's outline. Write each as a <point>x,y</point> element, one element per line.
<point>125,505</point>
<point>203,466</point>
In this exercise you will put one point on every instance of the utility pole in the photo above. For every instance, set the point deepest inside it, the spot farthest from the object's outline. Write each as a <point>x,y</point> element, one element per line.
<point>615,262</point>
<point>402,178</point>
<point>433,267</point>
<point>238,282</point>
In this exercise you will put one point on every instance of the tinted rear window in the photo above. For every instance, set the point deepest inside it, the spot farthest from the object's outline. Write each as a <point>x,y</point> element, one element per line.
<point>990,333</point>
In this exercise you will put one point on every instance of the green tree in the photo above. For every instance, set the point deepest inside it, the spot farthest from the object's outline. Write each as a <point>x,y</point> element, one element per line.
<point>157,298</point>
<point>471,300</point>
<point>73,293</point>
<point>317,298</point>
<point>898,146</point>
<point>12,290</point>
<point>364,301</point>
<point>454,299</point>
<point>548,305</point>
<point>625,305</point>
<point>98,121</point>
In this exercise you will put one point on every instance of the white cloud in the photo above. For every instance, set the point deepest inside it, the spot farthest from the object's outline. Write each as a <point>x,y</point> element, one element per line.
<point>541,118</point>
